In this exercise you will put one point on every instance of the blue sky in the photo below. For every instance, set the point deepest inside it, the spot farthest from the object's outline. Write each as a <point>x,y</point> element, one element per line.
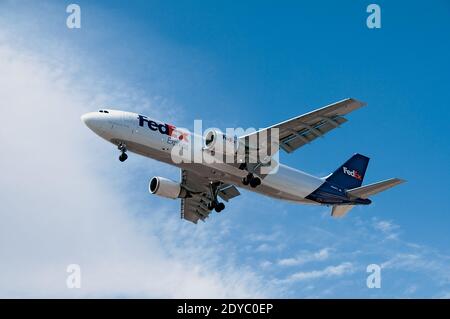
<point>254,64</point>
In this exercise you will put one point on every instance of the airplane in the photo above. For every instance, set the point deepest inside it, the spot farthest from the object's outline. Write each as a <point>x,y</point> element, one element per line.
<point>202,184</point>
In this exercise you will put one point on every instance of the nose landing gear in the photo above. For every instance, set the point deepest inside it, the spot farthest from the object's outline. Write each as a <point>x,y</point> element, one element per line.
<point>123,149</point>
<point>252,180</point>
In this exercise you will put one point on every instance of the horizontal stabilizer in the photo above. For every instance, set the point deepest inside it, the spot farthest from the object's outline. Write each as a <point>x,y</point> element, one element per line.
<point>375,188</point>
<point>340,210</point>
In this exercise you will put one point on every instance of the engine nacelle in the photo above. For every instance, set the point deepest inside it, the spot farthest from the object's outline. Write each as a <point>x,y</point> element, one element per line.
<point>166,188</point>
<point>218,142</point>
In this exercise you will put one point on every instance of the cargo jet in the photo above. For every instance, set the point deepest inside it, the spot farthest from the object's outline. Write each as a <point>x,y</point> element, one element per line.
<point>204,186</point>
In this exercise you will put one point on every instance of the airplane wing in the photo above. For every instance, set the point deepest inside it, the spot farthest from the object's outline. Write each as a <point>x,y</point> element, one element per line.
<point>196,207</point>
<point>303,129</point>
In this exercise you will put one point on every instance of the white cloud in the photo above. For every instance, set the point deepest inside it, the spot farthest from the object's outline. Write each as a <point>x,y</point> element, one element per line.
<point>265,247</point>
<point>385,226</point>
<point>270,237</point>
<point>330,271</point>
<point>423,261</point>
<point>388,228</point>
<point>63,202</point>
<point>305,257</point>
<point>265,264</point>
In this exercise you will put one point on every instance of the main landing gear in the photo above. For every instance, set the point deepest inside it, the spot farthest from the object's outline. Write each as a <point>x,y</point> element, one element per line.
<point>215,204</point>
<point>251,180</point>
<point>123,149</point>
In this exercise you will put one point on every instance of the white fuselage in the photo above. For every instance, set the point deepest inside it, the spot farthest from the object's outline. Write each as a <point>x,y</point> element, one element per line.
<point>153,142</point>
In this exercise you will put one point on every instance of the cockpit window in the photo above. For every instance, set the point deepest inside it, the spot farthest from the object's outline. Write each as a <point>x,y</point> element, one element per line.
<point>103,111</point>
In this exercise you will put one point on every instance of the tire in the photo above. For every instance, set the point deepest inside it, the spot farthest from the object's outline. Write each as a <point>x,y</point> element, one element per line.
<point>123,157</point>
<point>219,207</point>
<point>254,182</point>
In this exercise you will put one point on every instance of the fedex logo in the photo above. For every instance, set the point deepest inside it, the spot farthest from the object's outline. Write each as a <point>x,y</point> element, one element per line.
<point>163,128</point>
<point>354,173</point>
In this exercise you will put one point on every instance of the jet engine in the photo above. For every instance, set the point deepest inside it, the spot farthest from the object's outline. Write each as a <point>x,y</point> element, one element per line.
<point>218,142</point>
<point>166,188</point>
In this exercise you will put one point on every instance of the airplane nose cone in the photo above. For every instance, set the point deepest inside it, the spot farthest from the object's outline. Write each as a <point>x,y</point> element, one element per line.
<point>88,119</point>
<point>93,121</point>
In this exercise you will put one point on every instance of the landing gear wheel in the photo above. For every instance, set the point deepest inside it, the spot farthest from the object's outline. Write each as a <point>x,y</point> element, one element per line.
<point>252,180</point>
<point>214,203</point>
<point>247,179</point>
<point>255,181</point>
<point>123,149</point>
<point>219,207</point>
<point>123,157</point>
